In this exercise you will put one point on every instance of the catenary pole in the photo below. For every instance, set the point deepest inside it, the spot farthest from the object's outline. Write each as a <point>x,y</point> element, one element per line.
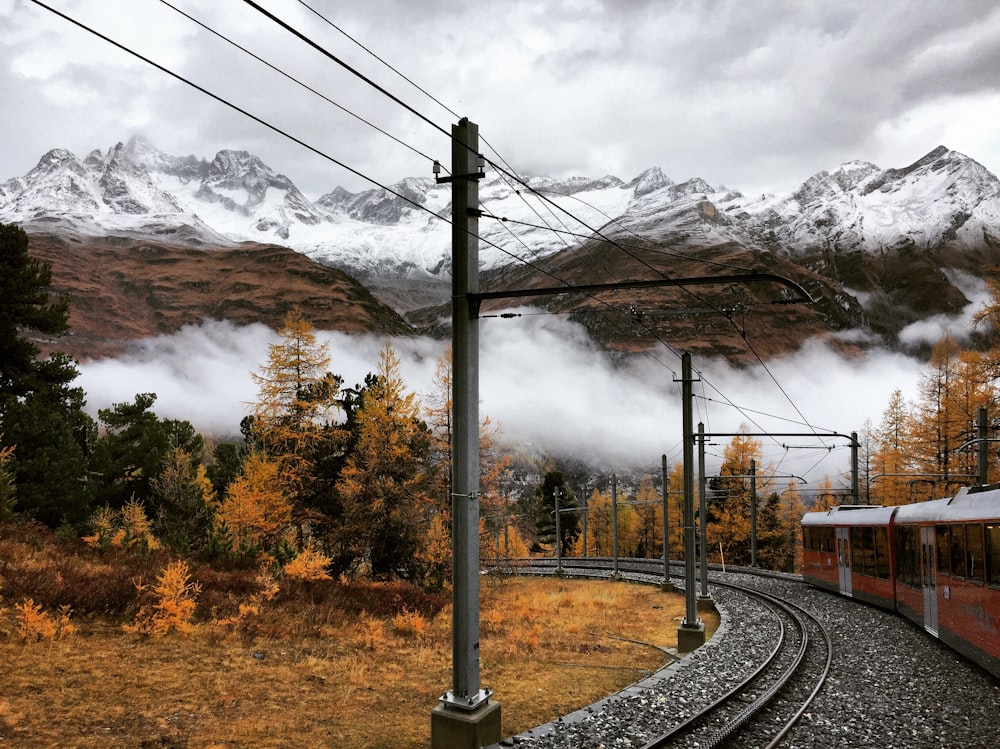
<point>466,718</point>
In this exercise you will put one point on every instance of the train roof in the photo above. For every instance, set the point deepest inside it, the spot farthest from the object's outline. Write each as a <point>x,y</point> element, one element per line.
<point>975,504</point>
<point>845,515</point>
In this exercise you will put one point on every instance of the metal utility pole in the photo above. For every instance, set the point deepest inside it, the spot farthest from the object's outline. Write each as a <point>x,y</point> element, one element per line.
<point>703,518</point>
<point>666,586</point>
<point>753,512</point>
<point>691,633</point>
<point>982,454</point>
<point>559,569</point>
<point>465,717</point>
<point>614,525</point>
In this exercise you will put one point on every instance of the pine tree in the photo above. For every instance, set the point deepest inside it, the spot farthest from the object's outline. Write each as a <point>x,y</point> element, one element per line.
<point>39,412</point>
<point>544,509</point>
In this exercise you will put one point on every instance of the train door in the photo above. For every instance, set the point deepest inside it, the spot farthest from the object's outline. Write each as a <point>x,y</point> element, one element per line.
<point>844,560</point>
<point>928,571</point>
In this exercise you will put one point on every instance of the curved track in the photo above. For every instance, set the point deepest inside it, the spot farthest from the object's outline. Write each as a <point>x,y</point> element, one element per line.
<point>762,708</point>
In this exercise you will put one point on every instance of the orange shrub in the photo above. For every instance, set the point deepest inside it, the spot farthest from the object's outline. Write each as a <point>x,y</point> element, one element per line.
<point>34,624</point>
<point>173,609</point>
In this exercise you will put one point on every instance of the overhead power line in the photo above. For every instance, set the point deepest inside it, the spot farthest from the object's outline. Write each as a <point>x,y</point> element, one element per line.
<point>295,80</point>
<point>329,55</point>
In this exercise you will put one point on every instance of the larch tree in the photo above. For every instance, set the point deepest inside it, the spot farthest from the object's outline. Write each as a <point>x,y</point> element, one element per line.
<point>729,516</point>
<point>295,421</point>
<point>256,513</point>
<point>495,503</point>
<point>952,389</point>
<point>384,483</point>
<point>649,520</point>
<point>891,461</point>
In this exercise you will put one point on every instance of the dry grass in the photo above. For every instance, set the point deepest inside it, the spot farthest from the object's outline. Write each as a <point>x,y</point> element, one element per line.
<point>314,665</point>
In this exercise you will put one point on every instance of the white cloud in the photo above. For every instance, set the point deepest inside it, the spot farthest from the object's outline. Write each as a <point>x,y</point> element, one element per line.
<point>546,384</point>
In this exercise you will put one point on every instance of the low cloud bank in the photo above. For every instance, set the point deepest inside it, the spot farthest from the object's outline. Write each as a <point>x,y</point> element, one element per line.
<point>546,384</point>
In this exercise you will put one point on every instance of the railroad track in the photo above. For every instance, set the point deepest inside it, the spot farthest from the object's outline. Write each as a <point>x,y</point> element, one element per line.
<point>771,696</point>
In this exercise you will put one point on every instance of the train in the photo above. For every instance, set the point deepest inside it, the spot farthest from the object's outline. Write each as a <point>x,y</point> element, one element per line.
<point>936,563</point>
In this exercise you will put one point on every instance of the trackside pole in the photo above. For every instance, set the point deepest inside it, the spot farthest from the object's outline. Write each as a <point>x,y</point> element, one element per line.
<point>705,602</point>
<point>691,632</point>
<point>465,717</point>
<point>666,586</point>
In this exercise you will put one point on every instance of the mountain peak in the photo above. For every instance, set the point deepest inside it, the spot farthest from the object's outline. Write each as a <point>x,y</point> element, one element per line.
<point>650,180</point>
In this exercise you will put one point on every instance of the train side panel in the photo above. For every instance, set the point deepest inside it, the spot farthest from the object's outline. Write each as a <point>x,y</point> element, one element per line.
<point>948,571</point>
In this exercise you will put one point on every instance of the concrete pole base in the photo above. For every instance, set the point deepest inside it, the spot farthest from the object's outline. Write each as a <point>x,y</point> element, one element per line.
<point>690,637</point>
<point>461,729</point>
<point>667,587</point>
<point>706,603</point>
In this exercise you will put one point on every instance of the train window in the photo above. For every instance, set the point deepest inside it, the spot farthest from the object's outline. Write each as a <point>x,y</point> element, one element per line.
<point>857,552</point>
<point>868,534</point>
<point>993,555</point>
<point>943,533</point>
<point>908,555</point>
<point>974,552</point>
<point>828,541</point>
<point>958,551</point>
<point>882,553</point>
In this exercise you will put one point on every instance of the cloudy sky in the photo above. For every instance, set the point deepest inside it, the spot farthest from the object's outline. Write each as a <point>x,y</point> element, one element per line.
<point>752,95</point>
<point>756,96</point>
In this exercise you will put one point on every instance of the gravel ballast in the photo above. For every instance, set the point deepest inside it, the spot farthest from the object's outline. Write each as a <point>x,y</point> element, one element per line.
<point>891,685</point>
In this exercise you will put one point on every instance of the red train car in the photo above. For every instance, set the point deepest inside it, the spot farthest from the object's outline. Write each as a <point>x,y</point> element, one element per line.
<point>937,563</point>
<point>849,550</point>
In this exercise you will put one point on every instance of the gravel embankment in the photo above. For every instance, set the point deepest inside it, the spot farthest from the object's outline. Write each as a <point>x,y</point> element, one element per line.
<point>891,685</point>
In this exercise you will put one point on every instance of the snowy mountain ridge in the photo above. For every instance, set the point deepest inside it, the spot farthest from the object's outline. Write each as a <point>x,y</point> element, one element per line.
<point>943,198</point>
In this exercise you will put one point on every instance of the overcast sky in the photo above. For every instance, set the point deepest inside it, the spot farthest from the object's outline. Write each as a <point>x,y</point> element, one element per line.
<point>756,96</point>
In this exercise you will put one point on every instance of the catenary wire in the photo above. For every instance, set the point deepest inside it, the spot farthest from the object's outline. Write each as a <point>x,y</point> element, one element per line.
<point>391,67</point>
<point>295,80</point>
<point>329,55</point>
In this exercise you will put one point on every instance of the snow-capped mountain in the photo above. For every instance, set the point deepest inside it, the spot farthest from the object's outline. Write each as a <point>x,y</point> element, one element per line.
<point>945,197</point>
<point>888,240</point>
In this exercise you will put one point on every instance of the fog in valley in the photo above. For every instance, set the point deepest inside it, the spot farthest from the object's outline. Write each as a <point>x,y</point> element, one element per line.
<point>553,390</point>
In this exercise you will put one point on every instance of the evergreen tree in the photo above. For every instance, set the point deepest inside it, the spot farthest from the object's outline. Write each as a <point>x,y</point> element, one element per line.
<point>40,413</point>
<point>130,453</point>
<point>544,513</point>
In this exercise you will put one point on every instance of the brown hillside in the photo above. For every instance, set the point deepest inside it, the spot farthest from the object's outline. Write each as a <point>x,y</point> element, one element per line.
<point>737,321</point>
<point>122,290</point>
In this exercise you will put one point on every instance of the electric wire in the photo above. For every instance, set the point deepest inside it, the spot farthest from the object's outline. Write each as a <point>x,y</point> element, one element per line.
<point>295,80</point>
<point>508,174</point>
<point>419,88</point>
<point>329,55</point>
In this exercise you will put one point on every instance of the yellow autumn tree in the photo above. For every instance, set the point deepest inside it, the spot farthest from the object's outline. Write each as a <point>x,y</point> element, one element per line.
<point>384,484</point>
<point>649,520</point>
<point>295,421</point>
<point>891,461</point>
<point>728,524</point>
<point>256,512</point>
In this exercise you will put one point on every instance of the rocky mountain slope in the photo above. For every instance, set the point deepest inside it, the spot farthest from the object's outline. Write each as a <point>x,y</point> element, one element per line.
<point>878,248</point>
